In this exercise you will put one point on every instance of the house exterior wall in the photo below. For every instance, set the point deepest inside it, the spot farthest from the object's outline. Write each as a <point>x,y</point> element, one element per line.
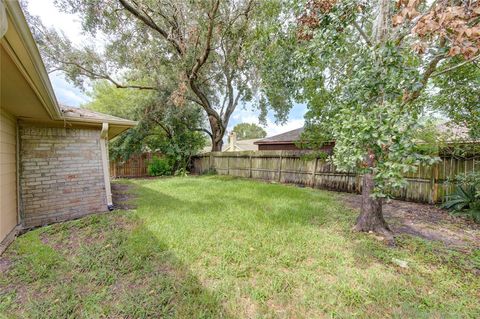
<point>8,174</point>
<point>61,174</point>
<point>278,147</point>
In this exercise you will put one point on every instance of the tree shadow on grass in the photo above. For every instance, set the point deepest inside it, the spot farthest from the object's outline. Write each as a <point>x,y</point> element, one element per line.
<point>107,265</point>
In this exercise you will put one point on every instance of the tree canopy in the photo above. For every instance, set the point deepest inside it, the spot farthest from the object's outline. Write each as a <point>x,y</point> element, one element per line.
<point>176,132</point>
<point>247,131</point>
<point>190,50</point>
<point>364,69</point>
<point>128,104</point>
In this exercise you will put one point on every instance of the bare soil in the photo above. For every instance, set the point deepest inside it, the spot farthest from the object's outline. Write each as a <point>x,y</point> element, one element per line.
<point>123,196</point>
<point>426,221</point>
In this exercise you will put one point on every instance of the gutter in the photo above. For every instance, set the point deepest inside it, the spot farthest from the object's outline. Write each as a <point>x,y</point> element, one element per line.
<point>123,123</point>
<point>105,165</point>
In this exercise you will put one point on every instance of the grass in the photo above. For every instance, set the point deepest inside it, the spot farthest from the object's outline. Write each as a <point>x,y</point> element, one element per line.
<point>220,247</point>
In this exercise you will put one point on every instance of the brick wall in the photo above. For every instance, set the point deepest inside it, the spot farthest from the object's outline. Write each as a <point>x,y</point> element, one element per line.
<point>61,175</point>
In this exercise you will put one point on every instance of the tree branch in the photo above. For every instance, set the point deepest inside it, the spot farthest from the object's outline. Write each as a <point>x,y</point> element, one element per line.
<point>145,18</point>
<point>455,66</point>
<point>426,76</point>
<point>202,130</point>
<point>97,76</point>
<point>208,46</point>
<point>364,36</point>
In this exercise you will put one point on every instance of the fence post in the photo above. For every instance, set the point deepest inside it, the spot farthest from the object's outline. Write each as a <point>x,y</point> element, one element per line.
<point>280,167</point>
<point>228,165</point>
<point>250,159</point>
<point>434,184</point>
<point>314,172</point>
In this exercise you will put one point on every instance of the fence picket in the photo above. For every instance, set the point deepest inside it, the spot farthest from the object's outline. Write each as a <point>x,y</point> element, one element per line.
<point>427,185</point>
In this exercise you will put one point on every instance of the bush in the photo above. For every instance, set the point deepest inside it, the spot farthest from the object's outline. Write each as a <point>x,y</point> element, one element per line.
<point>466,198</point>
<point>159,167</point>
<point>182,172</point>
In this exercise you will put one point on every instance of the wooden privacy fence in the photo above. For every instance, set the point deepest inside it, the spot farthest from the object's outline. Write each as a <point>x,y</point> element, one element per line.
<point>427,185</point>
<point>135,166</point>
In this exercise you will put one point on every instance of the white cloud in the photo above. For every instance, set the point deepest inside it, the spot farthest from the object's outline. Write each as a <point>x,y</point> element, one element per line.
<point>51,17</point>
<point>274,129</point>
<point>70,25</point>
<point>66,92</point>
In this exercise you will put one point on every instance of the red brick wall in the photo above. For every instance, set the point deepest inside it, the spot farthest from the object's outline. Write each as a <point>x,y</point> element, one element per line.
<point>61,174</point>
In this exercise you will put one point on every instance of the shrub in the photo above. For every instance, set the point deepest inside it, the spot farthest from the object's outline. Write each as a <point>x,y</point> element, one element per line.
<point>466,198</point>
<point>159,167</point>
<point>182,172</point>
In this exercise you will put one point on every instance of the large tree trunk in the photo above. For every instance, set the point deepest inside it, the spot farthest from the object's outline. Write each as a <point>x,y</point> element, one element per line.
<point>371,215</point>
<point>217,145</point>
<point>217,134</point>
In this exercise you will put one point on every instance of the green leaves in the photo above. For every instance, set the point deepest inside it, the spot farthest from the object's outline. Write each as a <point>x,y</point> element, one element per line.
<point>247,131</point>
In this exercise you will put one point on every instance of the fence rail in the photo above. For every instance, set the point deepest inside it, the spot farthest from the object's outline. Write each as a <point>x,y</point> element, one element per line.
<point>426,185</point>
<point>135,166</point>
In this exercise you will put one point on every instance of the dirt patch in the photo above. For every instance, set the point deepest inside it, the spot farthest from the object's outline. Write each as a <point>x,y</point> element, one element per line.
<point>122,196</point>
<point>5,264</point>
<point>426,221</point>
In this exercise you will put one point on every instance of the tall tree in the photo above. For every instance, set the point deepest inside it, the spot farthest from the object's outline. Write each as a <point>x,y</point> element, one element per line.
<point>457,94</point>
<point>191,50</point>
<point>176,132</point>
<point>249,131</point>
<point>130,104</point>
<point>363,68</point>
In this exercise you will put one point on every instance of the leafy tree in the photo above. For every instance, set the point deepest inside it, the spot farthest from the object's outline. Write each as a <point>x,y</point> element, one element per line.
<point>247,131</point>
<point>457,94</point>
<point>363,68</point>
<point>191,50</point>
<point>175,132</point>
<point>108,99</point>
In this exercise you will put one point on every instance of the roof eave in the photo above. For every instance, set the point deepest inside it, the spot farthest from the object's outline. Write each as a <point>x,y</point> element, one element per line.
<point>35,68</point>
<point>126,123</point>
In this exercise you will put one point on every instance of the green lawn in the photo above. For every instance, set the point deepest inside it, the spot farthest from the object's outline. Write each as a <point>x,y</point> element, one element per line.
<point>218,247</point>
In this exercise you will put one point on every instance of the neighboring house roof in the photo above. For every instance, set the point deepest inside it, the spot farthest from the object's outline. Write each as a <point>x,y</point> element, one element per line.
<point>234,145</point>
<point>27,92</point>
<point>284,138</point>
<point>242,145</point>
<point>453,132</point>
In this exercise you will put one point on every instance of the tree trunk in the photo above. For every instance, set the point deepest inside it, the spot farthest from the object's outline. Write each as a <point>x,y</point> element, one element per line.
<point>217,145</point>
<point>217,134</point>
<point>371,216</point>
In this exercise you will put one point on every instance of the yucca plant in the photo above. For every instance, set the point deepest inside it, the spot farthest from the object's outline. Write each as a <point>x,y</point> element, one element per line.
<point>465,200</point>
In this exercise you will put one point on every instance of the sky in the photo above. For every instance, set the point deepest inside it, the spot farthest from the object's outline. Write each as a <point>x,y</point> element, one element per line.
<point>70,95</point>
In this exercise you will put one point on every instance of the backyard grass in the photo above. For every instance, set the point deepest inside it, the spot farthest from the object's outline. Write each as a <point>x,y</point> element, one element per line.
<point>220,247</point>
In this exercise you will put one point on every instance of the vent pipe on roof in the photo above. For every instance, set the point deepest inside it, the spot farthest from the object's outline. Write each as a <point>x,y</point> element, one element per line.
<point>3,20</point>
